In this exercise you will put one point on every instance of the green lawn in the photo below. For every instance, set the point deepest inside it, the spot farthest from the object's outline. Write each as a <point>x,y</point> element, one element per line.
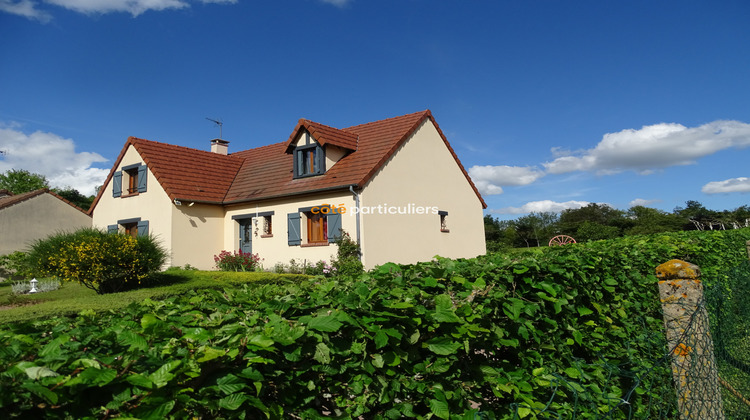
<point>73,298</point>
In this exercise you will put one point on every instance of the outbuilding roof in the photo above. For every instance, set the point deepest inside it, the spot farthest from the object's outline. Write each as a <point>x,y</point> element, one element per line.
<point>8,199</point>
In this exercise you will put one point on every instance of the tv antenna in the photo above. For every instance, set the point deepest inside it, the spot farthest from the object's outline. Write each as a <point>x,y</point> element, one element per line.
<point>218,122</point>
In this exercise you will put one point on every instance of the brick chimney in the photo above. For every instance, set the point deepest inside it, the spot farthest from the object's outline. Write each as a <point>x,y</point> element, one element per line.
<point>219,146</point>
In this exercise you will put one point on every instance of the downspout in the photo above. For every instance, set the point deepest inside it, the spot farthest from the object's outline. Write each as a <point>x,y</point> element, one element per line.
<point>356,214</point>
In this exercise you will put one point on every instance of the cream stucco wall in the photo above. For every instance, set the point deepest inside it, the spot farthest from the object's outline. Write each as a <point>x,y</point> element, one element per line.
<point>333,155</point>
<point>36,218</point>
<point>422,173</point>
<point>153,205</point>
<point>197,234</point>
<point>276,249</point>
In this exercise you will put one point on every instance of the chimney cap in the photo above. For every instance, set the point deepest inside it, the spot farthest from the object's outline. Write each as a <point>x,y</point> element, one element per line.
<point>219,141</point>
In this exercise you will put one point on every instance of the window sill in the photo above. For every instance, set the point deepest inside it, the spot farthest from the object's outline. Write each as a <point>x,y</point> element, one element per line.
<point>266,236</point>
<point>130,195</point>
<point>445,230</point>
<point>314,244</point>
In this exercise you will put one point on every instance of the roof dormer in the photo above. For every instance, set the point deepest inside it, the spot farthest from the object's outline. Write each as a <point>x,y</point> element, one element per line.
<point>316,147</point>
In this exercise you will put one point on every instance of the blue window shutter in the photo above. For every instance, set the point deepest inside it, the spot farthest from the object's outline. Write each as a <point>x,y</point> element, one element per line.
<point>293,224</point>
<point>334,227</point>
<point>117,184</point>
<point>142,178</point>
<point>143,228</point>
<point>295,171</point>
<point>112,229</point>
<point>321,164</point>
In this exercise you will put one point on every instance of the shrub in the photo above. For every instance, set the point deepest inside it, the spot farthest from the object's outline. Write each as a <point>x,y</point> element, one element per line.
<point>320,268</point>
<point>101,261</point>
<point>14,265</point>
<point>347,262</point>
<point>237,261</point>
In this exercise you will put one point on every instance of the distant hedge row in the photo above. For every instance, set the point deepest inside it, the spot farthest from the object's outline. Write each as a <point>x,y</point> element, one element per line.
<point>480,338</point>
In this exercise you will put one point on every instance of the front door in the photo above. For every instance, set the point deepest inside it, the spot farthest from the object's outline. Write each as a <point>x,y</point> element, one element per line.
<point>246,236</point>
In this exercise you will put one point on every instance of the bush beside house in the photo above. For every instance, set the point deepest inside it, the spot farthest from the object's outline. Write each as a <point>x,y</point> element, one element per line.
<point>101,261</point>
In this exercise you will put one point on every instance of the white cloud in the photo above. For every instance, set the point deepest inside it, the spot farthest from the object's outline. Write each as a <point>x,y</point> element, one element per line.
<point>52,156</point>
<point>642,202</point>
<point>542,206</point>
<point>134,7</point>
<point>25,8</point>
<point>653,147</point>
<point>733,185</point>
<point>490,179</point>
<point>28,8</point>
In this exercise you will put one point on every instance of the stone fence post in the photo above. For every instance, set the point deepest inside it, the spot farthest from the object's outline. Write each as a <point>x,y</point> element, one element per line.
<point>689,341</point>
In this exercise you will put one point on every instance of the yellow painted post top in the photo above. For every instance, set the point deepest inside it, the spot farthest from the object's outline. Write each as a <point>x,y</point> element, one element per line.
<point>678,270</point>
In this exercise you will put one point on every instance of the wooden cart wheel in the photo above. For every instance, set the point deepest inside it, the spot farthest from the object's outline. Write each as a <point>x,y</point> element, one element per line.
<point>561,240</point>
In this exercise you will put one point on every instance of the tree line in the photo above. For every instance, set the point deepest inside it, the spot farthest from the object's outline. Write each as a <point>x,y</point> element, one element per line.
<point>19,181</point>
<point>600,221</point>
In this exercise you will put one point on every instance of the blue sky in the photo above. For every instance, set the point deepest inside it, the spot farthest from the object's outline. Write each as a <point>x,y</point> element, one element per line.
<point>549,104</point>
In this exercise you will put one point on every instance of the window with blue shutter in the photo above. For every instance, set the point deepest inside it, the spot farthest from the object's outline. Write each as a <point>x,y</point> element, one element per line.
<point>142,178</point>
<point>293,228</point>
<point>309,161</point>
<point>334,227</point>
<point>117,184</point>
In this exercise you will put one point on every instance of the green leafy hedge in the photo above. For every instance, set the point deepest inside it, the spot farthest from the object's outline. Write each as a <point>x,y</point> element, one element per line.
<point>486,337</point>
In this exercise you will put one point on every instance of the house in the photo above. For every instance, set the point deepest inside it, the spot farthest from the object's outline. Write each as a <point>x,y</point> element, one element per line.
<point>25,218</point>
<point>395,186</point>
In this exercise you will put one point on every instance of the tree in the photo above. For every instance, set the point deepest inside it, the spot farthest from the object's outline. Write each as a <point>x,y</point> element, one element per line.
<point>697,217</point>
<point>647,221</point>
<point>535,228</point>
<point>739,217</point>
<point>602,214</point>
<point>19,181</point>
<point>593,231</point>
<point>75,197</point>
<point>499,234</point>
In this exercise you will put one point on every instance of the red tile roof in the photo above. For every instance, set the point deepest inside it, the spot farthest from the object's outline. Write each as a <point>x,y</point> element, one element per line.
<point>266,172</point>
<point>324,135</point>
<point>11,199</point>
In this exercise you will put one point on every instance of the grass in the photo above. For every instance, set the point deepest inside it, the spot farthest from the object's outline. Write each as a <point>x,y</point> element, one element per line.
<point>72,298</point>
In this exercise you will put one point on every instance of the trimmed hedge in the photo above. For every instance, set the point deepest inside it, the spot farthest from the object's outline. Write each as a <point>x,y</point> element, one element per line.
<point>434,339</point>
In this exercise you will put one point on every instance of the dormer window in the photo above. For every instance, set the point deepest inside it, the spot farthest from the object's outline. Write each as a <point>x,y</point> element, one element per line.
<point>309,160</point>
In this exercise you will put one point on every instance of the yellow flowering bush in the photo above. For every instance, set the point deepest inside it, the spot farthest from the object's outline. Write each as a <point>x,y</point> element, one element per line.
<point>98,260</point>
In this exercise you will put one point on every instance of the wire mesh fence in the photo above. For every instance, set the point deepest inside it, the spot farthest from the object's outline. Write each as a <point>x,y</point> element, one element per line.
<point>701,368</point>
<point>729,310</point>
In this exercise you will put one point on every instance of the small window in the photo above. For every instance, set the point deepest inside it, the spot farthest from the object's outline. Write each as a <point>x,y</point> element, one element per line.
<point>131,180</point>
<point>444,221</point>
<point>132,175</point>
<point>267,227</point>
<point>309,161</point>
<point>131,229</point>
<point>317,228</point>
